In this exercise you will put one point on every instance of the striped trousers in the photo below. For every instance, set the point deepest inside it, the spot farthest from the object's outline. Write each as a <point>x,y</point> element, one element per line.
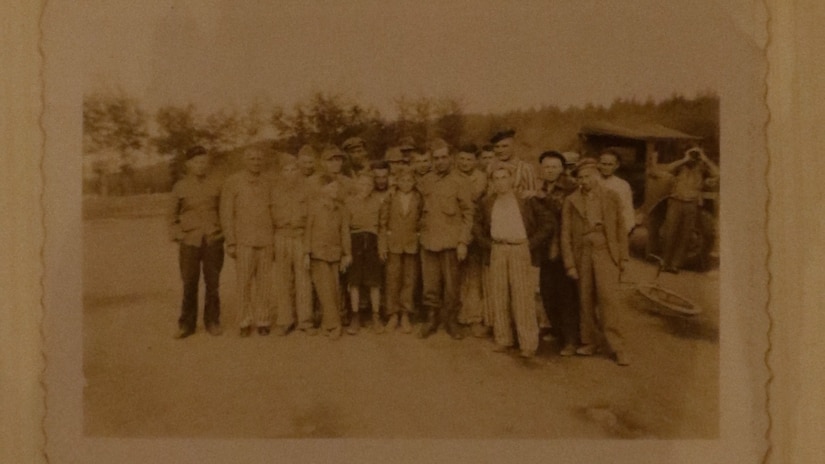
<point>511,292</point>
<point>254,276</point>
<point>472,289</point>
<point>292,282</point>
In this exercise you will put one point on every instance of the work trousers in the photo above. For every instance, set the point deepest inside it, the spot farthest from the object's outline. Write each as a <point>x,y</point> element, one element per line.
<point>293,284</point>
<point>439,271</point>
<point>401,279</point>
<point>209,258</point>
<point>558,296</point>
<point>680,221</point>
<point>599,285</point>
<point>325,278</point>
<point>511,293</point>
<point>472,290</point>
<point>254,274</point>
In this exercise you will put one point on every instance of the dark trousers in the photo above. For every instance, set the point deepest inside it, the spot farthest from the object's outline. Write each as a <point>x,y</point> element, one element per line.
<point>209,257</point>
<point>560,300</point>
<point>680,221</point>
<point>440,274</point>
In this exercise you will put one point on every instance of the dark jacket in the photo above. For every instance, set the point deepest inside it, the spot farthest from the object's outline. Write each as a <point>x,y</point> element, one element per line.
<point>538,223</point>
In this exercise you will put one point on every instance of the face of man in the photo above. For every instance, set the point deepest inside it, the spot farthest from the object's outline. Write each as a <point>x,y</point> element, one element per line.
<point>421,163</point>
<point>290,170</point>
<point>485,158</point>
<point>198,165</point>
<point>334,164</point>
<point>306,165</point>
<point>441,160</point>
<point>465,162</point>
<point>551,168</point>
<point>588,178</point>
<point>381,179</point>
<point>502,181</point>
<point>405,183</point>
<point>254,161</point>
<point>358,156</point>
<point>504,149</point>
<point>608,164</point>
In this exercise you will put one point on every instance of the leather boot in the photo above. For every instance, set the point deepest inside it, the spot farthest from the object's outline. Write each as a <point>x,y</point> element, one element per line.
<point>429,326</point>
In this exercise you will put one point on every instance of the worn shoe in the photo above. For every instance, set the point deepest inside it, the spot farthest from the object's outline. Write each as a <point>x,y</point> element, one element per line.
<point>478,330</point>
<point>406,327</point>
<point>586,350</point>
<point>568,350</point>
<point>527,354</point>
<point>335,333</point>
<point>281,330</point>
<point>392,323</point>
<point>214,329</point>
<point>245,331</point>
<point>426,330</point>
<point>454,331</point>
<point>549,337</point>
<point>309,331</point>
<point>183,332</point>
<point>354,324</point>
<point>622,358</point>
<point>377,326</point>
<point>263,331</point>
<point>500,348</point>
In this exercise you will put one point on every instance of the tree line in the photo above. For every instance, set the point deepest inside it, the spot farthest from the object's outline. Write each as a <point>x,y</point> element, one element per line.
<point>118,131</point>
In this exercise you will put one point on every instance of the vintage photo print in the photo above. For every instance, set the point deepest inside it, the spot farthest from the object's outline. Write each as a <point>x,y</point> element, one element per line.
<point>405,231</point>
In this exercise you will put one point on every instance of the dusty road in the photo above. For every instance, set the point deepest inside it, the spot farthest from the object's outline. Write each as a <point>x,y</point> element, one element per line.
<point>142,382</point>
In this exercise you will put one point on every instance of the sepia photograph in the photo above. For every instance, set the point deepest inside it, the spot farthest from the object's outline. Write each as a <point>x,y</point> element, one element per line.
<point>407,220</point>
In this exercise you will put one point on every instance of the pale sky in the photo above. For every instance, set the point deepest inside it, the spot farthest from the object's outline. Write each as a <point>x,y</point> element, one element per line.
<point>495,55</point>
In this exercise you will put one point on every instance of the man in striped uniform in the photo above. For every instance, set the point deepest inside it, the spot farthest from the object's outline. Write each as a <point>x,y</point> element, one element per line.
<point>511,230</point>
<point>247,225</point>
<point>524,179</point>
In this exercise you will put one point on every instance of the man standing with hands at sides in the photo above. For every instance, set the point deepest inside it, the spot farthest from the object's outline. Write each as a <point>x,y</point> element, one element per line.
<point>594,250</point>
<point>293,286</point>
<point>247,224</point>
<point>524,178</point>
<point>558,291</point>
<point>445,232</point>
<point>327,251</point>
<point>512,231</point>
<point>195,225</point>
<point>608,164</point>
<point>421,162</point>
<point>683,207</point>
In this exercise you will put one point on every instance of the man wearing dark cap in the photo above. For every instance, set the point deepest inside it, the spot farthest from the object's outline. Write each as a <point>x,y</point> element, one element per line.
<point>194,223</point>
<point>394,159</point>
<point>445,233</point>
<point>333,162</point>
<point>356,161</point>
<point>504,146</point>
<point>594,250</point>
<point>558,291</point>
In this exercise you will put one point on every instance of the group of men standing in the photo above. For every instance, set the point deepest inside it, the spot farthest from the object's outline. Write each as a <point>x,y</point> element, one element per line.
<point>452,237</point>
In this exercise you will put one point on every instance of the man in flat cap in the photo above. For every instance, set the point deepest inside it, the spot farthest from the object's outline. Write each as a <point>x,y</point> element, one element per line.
<point>194,223</point>
<point>445,233</point>
<point>503,142</point>
<point>394,159</point>
<point>407,146</point>
<point>356,161</point>
<point>594,250</point>
<point>690,175</point>
<point>512,231</point>
<point>333,162</point>
<point>571,159</point>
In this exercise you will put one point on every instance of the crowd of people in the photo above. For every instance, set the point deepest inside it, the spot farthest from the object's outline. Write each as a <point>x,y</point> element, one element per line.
<point>423,238</point>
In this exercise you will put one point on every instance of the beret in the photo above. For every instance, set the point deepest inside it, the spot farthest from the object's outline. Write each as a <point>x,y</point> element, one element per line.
<point>394,154</point>
<point>501,135</point>
<point>197,150</point>
<point>353,142</point>
<point>331,152</point>
<point>406,144</point>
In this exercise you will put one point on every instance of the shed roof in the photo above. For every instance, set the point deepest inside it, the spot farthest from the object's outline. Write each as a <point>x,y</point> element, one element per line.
<point>648,131</point>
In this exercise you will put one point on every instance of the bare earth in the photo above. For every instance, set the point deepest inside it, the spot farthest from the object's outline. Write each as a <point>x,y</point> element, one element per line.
<point>143,383</point>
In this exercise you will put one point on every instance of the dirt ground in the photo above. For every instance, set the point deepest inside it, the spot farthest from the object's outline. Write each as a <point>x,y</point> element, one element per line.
<point>140,382</point>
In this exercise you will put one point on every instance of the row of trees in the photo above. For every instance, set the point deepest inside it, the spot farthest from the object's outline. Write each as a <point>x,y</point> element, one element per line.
<point>118,131</point>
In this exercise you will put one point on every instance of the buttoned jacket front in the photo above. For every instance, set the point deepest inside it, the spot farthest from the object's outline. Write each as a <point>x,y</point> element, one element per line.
<point>398,229</point>
<point>574,226</point>
<point>447,214</point>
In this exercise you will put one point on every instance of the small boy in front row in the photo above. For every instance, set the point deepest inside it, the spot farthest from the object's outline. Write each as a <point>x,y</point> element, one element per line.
<point>327,251</point>
<point>398,247</point>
